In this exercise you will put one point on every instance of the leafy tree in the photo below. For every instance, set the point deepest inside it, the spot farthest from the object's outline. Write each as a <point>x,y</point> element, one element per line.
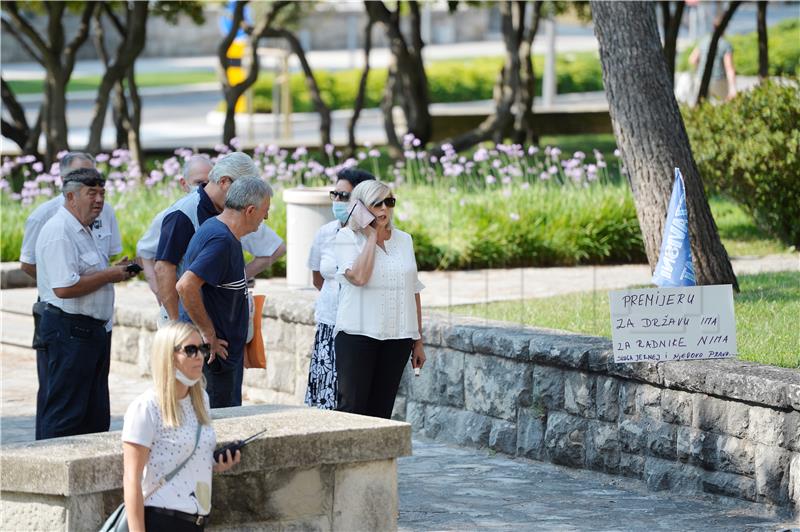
<point>651,134</point>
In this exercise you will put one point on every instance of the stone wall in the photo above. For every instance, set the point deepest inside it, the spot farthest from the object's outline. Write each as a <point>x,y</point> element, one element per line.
<point>313,470</point>
<point>724,427</point>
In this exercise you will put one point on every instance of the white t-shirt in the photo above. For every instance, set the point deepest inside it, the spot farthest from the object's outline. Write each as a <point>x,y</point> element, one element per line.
<point>105,230</point>
<point>385,307</point>
<point>190,490</point>
<point>322,259</point>
<point>71,252</point>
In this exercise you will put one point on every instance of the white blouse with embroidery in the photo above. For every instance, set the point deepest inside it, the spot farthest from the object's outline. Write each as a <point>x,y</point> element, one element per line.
<point>384,308</point>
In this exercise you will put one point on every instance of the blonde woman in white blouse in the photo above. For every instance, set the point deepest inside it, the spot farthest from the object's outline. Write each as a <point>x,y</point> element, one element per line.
<point>378,321</point>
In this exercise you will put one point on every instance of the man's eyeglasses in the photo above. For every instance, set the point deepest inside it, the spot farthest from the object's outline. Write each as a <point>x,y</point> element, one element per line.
<point>342,196</point>
<point>191,350</point>
<point>389,202</point>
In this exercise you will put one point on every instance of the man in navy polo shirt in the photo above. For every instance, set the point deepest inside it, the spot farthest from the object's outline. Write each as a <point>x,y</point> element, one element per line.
<point>213,287</point>
<point>187,214</point>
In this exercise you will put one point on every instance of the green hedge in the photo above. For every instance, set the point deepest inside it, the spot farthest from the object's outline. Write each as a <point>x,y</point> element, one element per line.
<point>448,81</point>
<point>783,50</point>
<point>749,148</point>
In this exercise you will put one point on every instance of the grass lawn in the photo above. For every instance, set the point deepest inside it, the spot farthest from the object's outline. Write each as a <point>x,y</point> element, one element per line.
<point>90,83</point>
<point>766,316</point>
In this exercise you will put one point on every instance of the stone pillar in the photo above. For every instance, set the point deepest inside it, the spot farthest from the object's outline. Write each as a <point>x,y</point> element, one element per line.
<point>307,209</point>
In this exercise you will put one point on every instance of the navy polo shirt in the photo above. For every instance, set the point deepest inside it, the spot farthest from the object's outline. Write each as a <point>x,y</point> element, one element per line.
<point>215,255</point>
<point>177,229</point>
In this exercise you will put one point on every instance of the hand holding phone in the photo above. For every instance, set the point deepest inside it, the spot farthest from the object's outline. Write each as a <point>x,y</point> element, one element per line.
<point>133,268</point>
<point>360,215</point>
<point>233,447</point>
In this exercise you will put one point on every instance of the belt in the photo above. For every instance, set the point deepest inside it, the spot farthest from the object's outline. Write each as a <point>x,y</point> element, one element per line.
<point>55,310</point>
<point>196,519</point>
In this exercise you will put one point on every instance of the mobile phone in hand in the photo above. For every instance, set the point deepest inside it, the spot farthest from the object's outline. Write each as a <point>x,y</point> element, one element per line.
<point>133,268</point>
<point>360,215</point>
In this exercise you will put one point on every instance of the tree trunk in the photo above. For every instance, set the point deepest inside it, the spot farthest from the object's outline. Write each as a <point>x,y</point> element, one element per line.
<point>651,135</point>
<point>128,51</point>
<point>387,105</point>
<point>311,83</point>
<point>358,105</point>
<point>134,120</point>
<point>508,86</point>
<point>705,81</point>
<point>763,57</point>
<point>119,106</point>
<point>411,82</point>
<point>17,129</point>
<point>523,121</point>
<point>672,25</point>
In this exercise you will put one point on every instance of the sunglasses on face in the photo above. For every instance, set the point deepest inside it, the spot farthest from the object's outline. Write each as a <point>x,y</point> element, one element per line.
<point>389,202</point>
<point>192,350</point>
<point>341,196</point>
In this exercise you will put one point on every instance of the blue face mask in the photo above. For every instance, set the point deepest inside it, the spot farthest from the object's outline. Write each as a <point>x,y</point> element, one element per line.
<point>340,210</point>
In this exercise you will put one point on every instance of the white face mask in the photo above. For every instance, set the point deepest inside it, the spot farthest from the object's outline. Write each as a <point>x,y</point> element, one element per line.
<point>183,379</point>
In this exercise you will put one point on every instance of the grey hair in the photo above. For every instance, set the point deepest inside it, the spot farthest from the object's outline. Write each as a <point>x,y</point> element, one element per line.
<point>247,191</point>
<point>65,164</point>
<point>193,161</point>
<point>235,165</point>
<point>369,192</point>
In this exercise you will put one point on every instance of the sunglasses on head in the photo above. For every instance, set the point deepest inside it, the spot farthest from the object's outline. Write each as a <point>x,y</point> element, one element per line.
<point>191,350</point>
<point>389,202</point>
<point>343,196</point>
<point>92,182</point>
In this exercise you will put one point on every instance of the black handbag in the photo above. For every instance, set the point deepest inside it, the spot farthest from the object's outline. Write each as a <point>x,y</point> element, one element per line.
<point>118,520</point>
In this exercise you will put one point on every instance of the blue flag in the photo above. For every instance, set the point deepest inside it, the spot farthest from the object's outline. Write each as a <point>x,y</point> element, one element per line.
<point>674,266</point>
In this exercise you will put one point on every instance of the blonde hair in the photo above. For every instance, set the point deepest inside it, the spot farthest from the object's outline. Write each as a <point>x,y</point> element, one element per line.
<point>162,364</point>
<point>369,192</point>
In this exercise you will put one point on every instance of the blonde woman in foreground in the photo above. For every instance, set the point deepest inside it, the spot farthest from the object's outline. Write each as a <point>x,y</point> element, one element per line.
<point>168,441</point>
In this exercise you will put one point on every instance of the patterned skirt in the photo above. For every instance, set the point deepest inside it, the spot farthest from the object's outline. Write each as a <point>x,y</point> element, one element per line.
<point>321,391</point>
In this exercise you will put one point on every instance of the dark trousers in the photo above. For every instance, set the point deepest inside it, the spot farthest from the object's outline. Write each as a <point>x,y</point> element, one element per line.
<point>41,364</point>
<point>369,373</point>
<point>76,359</point>
<point>157,522</point>
<point>224,384</point>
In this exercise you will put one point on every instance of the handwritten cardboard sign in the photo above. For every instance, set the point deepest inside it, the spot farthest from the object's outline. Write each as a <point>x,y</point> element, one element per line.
<point>666,324</point>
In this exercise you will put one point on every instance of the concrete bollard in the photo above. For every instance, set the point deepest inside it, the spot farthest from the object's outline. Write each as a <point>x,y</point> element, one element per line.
<point>307,209</point>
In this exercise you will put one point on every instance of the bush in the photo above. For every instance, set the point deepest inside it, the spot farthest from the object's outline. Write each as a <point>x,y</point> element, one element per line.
<point>784,53</point>
<point>749,148</point>
<point>448,81</point>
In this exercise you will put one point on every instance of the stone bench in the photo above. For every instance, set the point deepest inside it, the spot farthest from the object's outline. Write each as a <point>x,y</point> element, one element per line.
<point>313,469</point>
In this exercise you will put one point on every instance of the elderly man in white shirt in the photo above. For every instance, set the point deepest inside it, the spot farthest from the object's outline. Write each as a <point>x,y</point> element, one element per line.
<point>75,285</point>
<point>105,231</point>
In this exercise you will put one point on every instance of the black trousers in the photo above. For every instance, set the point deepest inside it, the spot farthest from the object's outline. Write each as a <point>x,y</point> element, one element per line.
<point>73,396</point>
<point>157,522</point>
<point>369,373</point>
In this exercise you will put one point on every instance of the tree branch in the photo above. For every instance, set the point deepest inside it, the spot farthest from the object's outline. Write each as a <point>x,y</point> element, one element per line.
<point>71,51</point>
<point>25,45</point>
<point>13,10</point>
<point>115,21</point>
<point>712,50</point>
<point>358,105</point>
<point>13,107</point>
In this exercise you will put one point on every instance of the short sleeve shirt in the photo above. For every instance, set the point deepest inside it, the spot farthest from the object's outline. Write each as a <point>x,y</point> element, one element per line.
<point>385,307</point>
<point>215,255</point>
<point>190,490</point>
<point>322,259</point>
<point>71,252</point>
<point>105,229</point>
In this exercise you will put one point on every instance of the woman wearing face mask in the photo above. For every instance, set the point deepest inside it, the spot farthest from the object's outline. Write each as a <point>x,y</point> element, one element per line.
<point>379,319</point>
<point>321,391</point>
<point>168,441</point>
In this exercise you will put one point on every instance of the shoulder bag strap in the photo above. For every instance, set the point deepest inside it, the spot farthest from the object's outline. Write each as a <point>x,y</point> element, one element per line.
<point>169,476</point>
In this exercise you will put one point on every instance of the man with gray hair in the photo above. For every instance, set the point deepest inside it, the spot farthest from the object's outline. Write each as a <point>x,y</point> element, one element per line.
<point>213,288</point>
<point>75,285</point>
<point>185,216</point>
<point>105,232</point>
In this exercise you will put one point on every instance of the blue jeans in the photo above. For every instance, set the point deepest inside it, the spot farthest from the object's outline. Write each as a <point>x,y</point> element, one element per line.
<point>74,395</point>
<point>224,384</point>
